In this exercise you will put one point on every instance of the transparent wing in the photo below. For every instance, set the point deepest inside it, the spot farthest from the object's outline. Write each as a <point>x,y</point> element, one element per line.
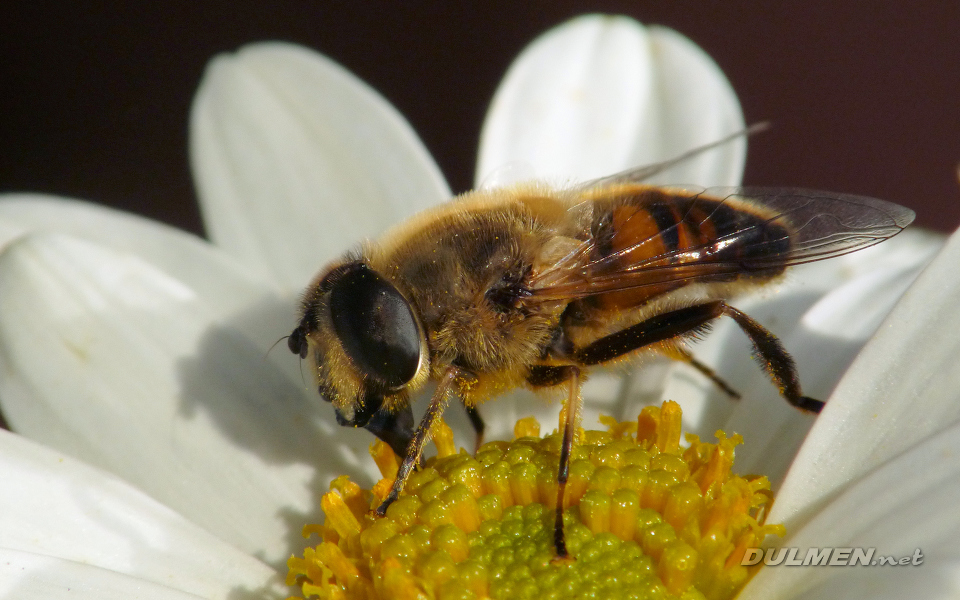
<point>771,229</point>
<point>644,173</point>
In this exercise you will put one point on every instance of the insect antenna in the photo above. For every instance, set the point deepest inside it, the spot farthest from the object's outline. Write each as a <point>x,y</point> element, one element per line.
<point>274,345</point>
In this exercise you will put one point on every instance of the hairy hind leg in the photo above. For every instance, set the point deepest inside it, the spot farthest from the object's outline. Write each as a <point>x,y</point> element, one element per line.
<point>768,351</point>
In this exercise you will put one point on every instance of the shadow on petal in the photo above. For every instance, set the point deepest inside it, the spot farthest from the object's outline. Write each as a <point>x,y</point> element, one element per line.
<point>254,396</point>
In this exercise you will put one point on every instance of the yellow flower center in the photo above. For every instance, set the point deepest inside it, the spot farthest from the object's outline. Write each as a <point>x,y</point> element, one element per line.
<point>643,518</point>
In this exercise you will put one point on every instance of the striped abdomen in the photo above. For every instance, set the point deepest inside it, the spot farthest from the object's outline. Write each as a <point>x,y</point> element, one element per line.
<point>674,237</point>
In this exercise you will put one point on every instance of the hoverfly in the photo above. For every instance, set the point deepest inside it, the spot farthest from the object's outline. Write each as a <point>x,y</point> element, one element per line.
<point>531,286</point>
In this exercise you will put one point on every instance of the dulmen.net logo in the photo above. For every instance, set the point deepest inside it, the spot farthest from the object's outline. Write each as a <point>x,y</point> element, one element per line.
<point>827,557</point>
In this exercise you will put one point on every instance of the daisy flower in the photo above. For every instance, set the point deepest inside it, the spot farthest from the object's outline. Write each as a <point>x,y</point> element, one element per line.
<point>143,351</point>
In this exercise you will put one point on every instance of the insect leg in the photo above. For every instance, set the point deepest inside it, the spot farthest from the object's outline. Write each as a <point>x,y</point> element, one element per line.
<point>415,449</point>
<point>682,354</point>
<point>774,360</point>
<point>768,351</point>
<point>570,422</point>
<point>478,425</point>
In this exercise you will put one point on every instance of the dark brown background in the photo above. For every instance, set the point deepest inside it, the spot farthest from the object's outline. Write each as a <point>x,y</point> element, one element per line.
<point>864,96</point>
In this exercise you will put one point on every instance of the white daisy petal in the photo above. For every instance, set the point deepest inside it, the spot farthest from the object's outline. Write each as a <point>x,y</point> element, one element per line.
<point>823,343</point>
<point>823,313</point>
<point>26,576</point>
<point>209,272</point>
<point>907,504</point>
<point>696,106</point>
<point>128,368</point>
<point>9,231</point>
<point>901,389</point>
<point>57,507</point>
<point>601,94</point>
<point>935,578</point>
<point>296,159</point>
<point>170,249</point>
<point>572,104</point>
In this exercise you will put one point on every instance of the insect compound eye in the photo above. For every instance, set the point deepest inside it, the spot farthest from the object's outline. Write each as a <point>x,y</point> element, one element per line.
<point>376,327</point>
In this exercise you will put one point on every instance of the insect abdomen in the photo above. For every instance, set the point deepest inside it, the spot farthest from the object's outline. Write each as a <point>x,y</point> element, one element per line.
<point>649,228</point>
